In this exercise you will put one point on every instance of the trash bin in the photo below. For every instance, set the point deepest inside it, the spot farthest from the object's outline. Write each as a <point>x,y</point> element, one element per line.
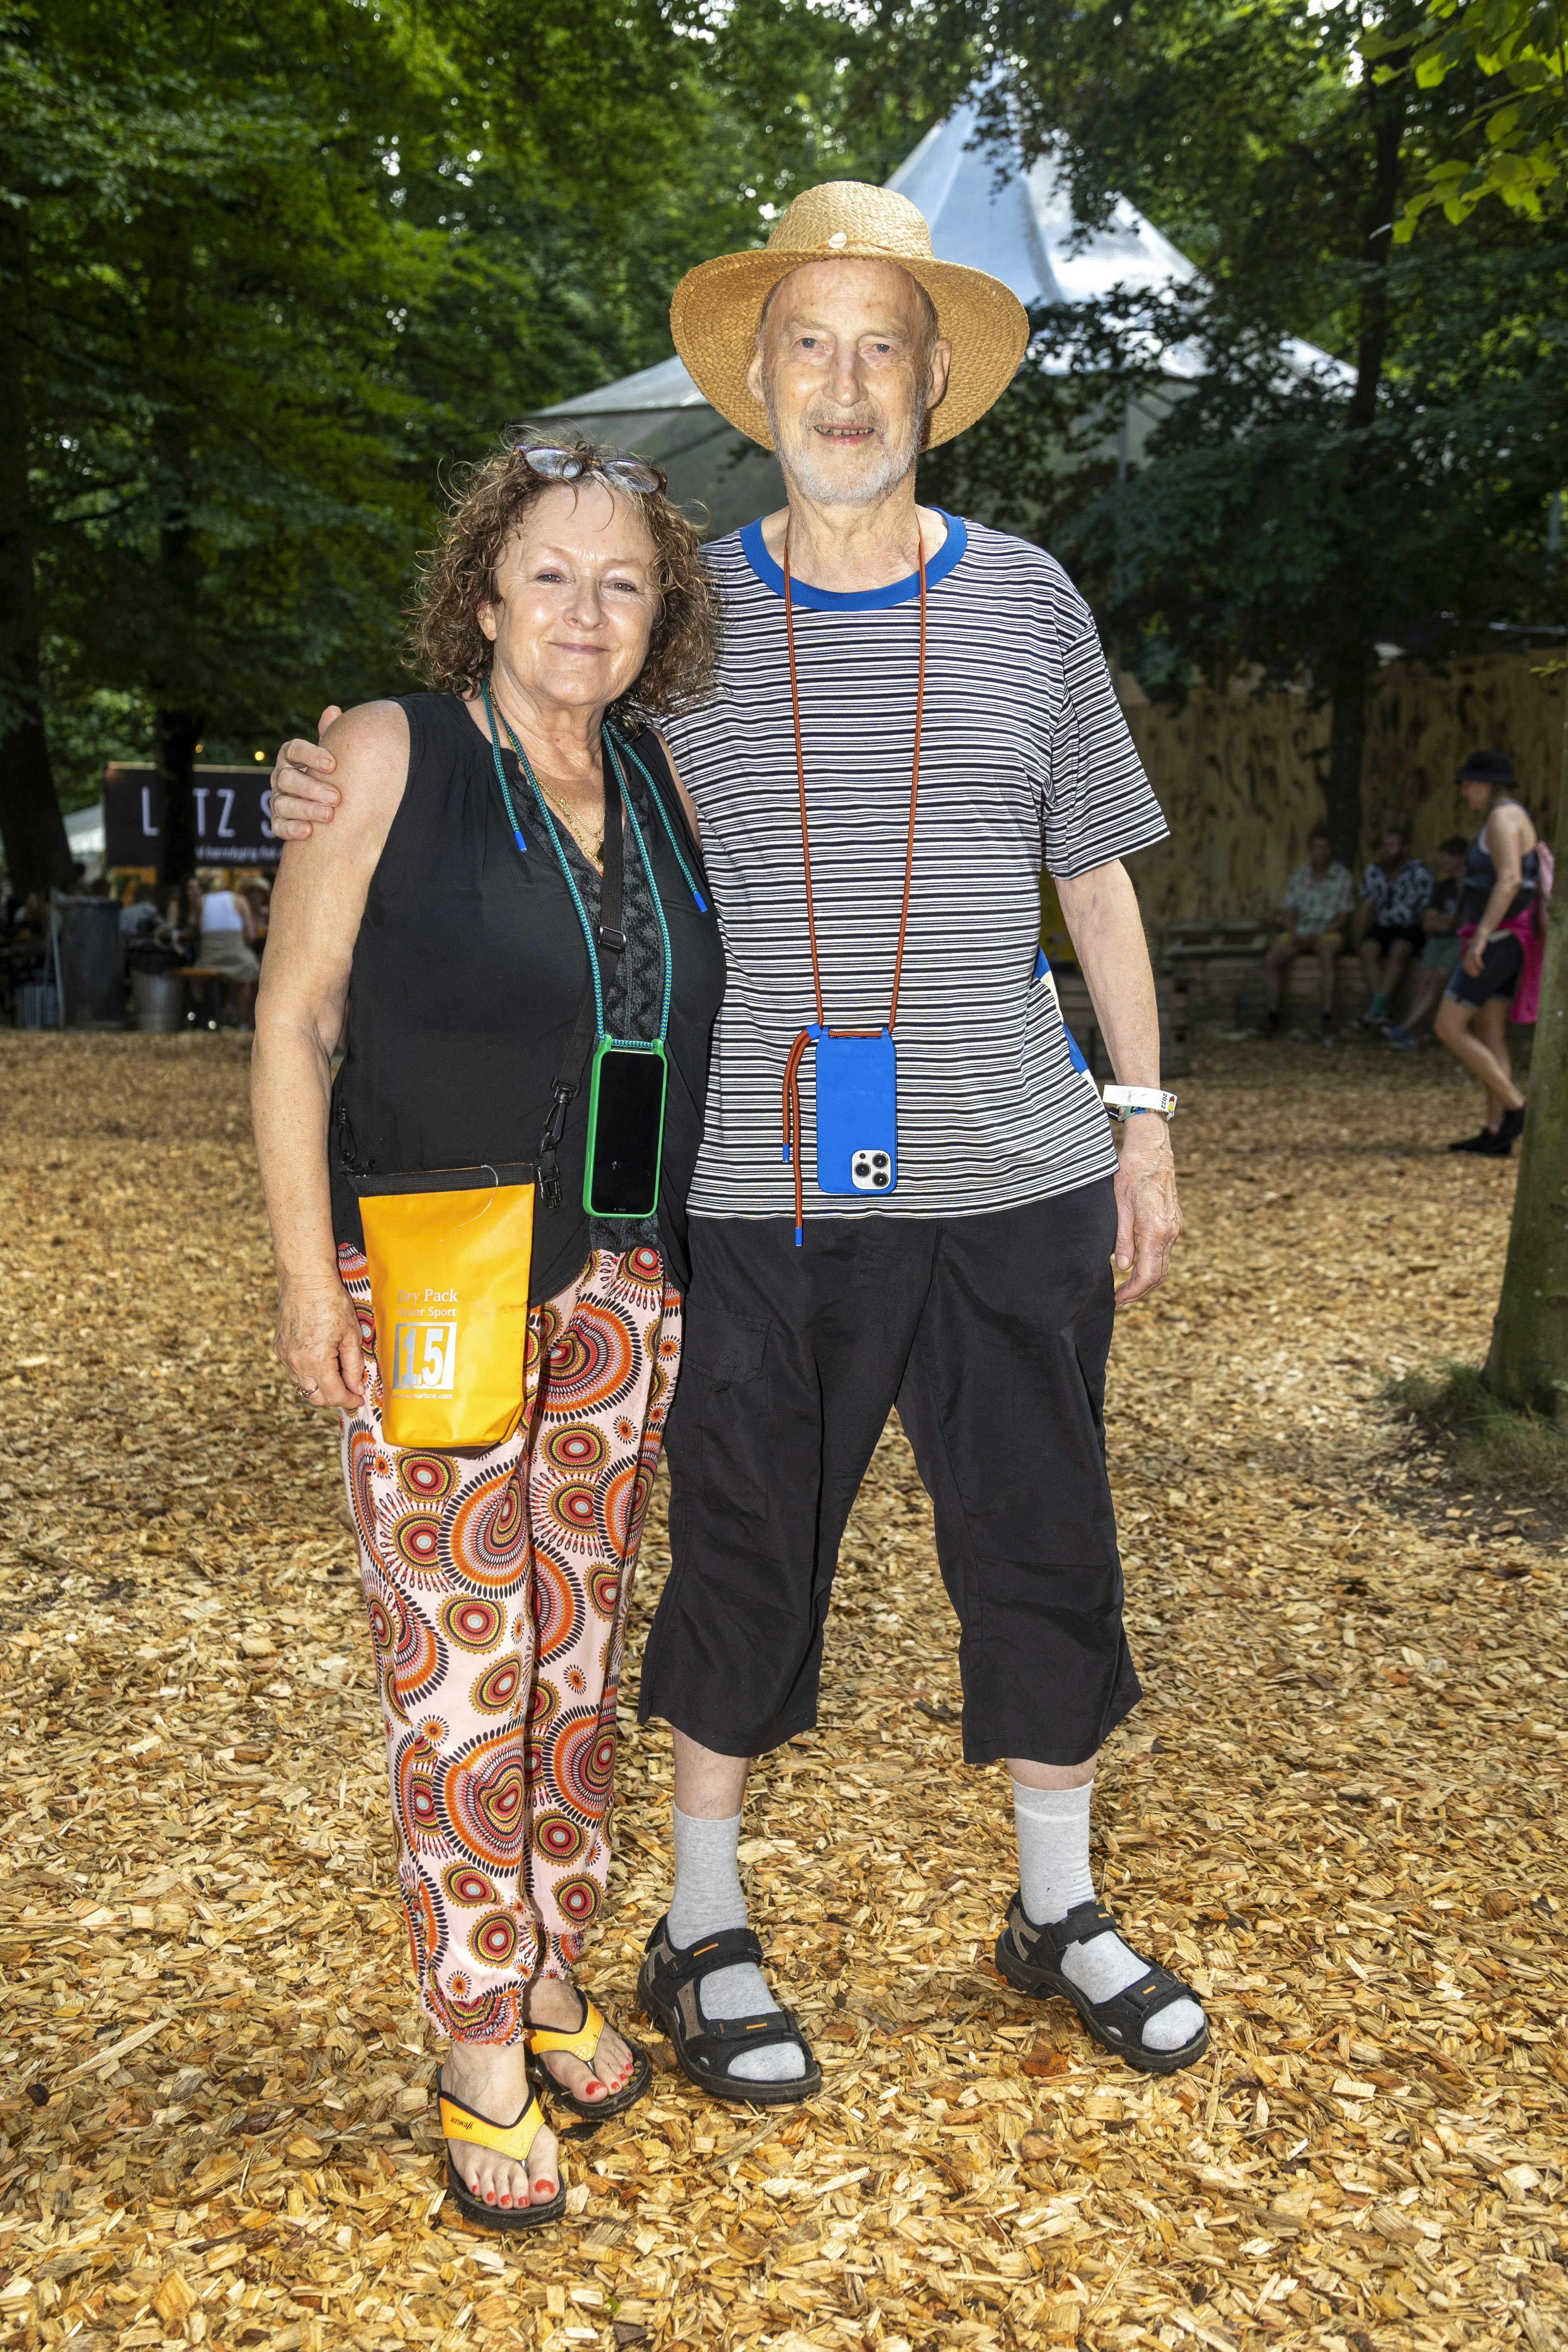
<point>37,1004</point>
<point>94,963</point>
<point>160,999</point>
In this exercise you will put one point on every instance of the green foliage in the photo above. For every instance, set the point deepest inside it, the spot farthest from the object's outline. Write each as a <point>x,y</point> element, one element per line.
<point>266,273</point>
<point>1262,529</point>
<point>1516,137</point>
<point>1267,514</point>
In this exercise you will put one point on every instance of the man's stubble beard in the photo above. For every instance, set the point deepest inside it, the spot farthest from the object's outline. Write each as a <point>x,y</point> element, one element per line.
<point>802,460</point>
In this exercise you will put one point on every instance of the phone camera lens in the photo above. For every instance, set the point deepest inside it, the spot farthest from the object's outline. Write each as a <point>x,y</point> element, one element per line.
<point>881,1175</point>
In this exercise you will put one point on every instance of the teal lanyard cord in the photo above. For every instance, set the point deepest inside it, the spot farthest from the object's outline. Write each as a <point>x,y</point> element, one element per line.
<point>658,798</point>
<point>647,865</point>
<point>560,860</point>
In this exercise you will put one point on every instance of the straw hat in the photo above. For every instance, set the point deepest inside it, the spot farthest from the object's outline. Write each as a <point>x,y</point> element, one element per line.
<point>717,305</point>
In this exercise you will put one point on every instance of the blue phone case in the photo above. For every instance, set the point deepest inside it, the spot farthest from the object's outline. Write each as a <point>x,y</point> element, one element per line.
<point>1075,1052</point>
<point>856,1113</point>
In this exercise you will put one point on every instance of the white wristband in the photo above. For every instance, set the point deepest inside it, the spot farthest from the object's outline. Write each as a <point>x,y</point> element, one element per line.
<point>1123,1101</point>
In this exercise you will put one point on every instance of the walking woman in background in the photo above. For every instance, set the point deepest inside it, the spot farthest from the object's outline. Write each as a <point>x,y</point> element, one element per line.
<point>464,904</point>
<point>1501,967</point>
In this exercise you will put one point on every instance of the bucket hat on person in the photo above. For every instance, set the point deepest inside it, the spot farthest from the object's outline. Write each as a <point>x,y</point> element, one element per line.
<point>1487,768</point>
<point>717,305</point>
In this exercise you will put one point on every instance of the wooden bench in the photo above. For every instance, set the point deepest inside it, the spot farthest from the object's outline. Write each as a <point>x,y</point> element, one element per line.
<point>1222,965</point>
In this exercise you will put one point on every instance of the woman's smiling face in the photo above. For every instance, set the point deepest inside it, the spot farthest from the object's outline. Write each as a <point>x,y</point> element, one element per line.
<point>575,598</point>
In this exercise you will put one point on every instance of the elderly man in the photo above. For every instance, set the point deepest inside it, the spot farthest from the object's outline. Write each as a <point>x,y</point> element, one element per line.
<point>907,1193</point>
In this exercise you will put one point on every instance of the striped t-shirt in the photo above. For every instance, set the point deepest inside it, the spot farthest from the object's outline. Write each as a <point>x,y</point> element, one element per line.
<point>1025,758</point>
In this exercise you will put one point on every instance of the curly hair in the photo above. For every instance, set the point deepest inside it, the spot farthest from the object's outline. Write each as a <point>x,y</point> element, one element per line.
<point>487,502</point>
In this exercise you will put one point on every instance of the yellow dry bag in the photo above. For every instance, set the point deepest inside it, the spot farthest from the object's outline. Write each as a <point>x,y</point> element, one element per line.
<point>450,1253</point>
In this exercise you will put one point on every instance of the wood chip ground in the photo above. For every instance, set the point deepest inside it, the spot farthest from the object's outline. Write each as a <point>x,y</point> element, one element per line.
<point>1336,1811</point>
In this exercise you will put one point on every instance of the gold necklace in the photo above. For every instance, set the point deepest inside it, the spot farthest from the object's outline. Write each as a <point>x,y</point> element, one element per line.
<point>591,844</point>
<point>581,829</point>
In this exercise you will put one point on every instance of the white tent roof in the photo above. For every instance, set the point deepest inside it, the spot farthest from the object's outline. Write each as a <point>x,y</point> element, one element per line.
<point>1023,232</point>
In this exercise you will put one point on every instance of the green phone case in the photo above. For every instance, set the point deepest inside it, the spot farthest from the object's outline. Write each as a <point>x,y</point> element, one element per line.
<point>603,1051</point>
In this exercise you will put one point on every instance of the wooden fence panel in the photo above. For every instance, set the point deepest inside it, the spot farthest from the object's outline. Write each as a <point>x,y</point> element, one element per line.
<point>1238,775</point>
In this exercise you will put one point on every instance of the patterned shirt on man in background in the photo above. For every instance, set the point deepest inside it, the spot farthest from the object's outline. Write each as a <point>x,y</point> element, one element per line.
<point>1319,902</point>
<point>1398,900</point>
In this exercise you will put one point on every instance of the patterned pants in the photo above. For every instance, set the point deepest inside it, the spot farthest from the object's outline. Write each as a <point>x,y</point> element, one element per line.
<point>497,1582</point>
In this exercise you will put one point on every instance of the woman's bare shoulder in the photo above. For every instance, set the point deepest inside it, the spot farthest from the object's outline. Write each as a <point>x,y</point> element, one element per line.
<point>369,735</point>
<point>1513,826</point>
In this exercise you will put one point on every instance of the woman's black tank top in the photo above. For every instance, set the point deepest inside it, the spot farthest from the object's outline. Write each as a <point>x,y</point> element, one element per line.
<point>469,972</point>
<point>1480,880</point>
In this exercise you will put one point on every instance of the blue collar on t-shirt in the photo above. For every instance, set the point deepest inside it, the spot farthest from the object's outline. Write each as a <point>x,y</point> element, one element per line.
<point>856,600</point>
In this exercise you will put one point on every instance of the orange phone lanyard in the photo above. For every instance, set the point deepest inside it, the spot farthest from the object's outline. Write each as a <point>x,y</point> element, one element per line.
<point>797,1051</point>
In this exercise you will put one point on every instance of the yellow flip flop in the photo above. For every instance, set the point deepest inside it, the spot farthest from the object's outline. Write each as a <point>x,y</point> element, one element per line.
<point>513,2139</point>
<point>582,2043</point>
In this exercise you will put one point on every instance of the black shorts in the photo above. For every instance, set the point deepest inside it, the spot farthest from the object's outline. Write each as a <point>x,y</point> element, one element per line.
<point>1502,960</point>
<point>990,1333</point>
<point>1384,935</point>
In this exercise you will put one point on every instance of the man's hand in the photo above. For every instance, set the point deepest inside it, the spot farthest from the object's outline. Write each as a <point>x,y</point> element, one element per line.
<point>301,795</point>
<point>1148,1215</point>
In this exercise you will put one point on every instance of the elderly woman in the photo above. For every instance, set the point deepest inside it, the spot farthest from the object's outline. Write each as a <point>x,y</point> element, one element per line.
<point>461,914</point>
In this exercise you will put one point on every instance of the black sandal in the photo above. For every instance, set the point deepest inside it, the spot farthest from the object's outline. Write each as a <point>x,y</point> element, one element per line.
<point>1030,1957</point>
<point>582,2043</point>
<point>668,1987</point>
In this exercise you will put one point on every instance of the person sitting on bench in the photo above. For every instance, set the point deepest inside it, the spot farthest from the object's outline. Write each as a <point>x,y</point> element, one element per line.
<point>1395,892</point>
<point>1318,896</point>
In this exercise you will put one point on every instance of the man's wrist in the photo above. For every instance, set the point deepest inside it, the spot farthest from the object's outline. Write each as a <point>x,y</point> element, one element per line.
<point>1146,1137</point>
<point>1131,1102</point>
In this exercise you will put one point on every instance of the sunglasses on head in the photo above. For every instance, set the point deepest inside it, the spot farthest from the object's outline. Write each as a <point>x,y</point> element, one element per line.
<point>555,461</point>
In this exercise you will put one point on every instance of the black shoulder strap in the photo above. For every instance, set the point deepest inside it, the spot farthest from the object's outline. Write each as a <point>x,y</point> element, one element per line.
<point>612,940</point>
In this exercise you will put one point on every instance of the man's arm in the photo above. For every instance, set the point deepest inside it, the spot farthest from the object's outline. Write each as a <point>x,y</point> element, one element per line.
<point>1292,922</point>
<point>1100,910</point>
<point>305,792</point>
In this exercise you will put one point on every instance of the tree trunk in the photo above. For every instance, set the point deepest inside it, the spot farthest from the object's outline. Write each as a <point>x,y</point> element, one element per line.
<point>178,732</point>
<point>32,830</point>
<point>1348,680</point>
<point>1349,664</point>
<point>1528,1364</point>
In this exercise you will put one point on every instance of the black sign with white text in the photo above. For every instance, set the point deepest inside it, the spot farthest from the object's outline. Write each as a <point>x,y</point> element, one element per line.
<point>231,810</point>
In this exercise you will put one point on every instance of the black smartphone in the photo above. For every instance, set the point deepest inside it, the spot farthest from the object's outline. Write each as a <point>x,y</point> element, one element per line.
<point>625,1130</point>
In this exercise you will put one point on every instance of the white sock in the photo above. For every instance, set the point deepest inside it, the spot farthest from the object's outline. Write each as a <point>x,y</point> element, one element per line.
<point>1054,1878</point>
<point>706,1899</point>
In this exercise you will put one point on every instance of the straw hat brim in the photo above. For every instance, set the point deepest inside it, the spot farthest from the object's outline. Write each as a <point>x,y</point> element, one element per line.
<point>717,306</point>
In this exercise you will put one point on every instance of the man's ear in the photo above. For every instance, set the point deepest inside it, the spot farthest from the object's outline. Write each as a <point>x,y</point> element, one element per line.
<point>755,371</point>
<point>941,368</point>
